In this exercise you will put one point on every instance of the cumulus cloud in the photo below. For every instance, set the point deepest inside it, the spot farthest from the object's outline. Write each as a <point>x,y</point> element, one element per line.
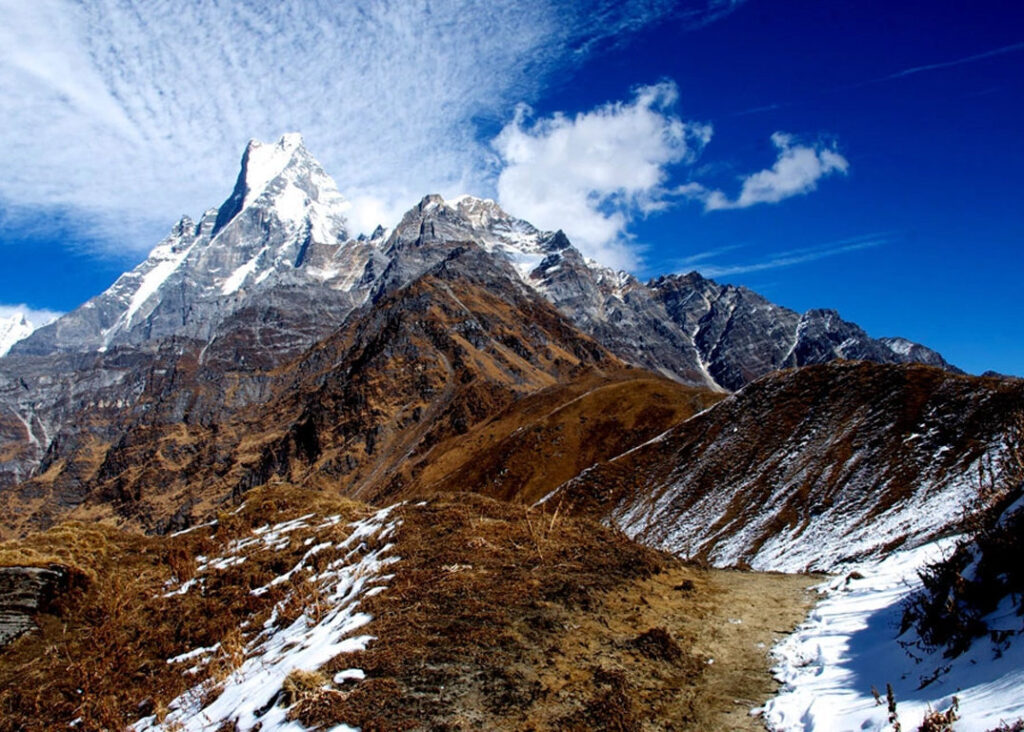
<point>132,112</point>
<point>796,171</point>
<point>591,173</point>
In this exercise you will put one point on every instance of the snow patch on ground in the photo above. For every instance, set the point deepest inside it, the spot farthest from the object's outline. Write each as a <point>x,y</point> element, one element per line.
<point>851,643</point>
<point>248,697</point>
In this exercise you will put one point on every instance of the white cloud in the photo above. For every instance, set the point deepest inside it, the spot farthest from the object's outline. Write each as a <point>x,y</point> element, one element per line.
<point>591,173</point>
<point>366,213</point>
<point>131,112</point>
<point>35,317</point>
<point>787,258</point>
<point>796,171</point>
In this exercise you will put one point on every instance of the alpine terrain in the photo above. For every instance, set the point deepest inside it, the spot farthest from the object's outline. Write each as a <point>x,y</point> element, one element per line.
<point>451,474</point>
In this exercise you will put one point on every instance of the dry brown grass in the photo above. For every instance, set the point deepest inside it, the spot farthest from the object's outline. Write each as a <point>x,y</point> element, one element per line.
<point>546,438</point>
<point>503,618</point>
<point>101,653</point>
<point>497,617</point>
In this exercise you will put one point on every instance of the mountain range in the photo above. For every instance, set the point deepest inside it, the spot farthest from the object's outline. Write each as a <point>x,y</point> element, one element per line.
<point>273,271</point>
<point>462,357</point>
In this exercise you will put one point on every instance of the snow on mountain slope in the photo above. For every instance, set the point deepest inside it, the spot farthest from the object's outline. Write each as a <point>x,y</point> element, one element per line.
<point>435,221</point>
<point>810,468</point>
<point>12,330</point>
<point>284,216</point>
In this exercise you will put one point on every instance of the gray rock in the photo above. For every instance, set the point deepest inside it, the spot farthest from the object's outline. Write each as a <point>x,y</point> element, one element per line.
<point>25,591</point>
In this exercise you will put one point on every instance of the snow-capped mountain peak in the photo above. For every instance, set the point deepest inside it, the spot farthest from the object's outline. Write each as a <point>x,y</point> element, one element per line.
<point>283,223</point>
<point>481,220</point>
<point>263,162</point>
<point>279,249</point>
<point>13,329</point>
<point>284,181</point>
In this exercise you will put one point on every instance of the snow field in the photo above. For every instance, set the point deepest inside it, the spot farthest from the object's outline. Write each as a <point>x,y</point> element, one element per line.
<point>851,643</point>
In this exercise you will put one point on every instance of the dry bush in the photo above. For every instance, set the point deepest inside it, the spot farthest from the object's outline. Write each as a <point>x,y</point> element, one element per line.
<point>1017,726</point>
<point>936,721</point>
<point>301,685</point>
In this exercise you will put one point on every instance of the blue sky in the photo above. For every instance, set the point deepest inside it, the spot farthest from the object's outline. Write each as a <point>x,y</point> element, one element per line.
<point>860,156</point>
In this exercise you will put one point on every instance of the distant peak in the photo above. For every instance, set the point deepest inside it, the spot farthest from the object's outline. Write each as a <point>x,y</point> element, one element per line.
<point>185,226</point>
<point>469,200</point>
<point>431,200</point>
<point>263,163</point>
<point>479,212</point>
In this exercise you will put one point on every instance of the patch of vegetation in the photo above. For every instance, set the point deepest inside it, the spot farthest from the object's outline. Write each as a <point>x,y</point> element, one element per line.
<point>933,720</point>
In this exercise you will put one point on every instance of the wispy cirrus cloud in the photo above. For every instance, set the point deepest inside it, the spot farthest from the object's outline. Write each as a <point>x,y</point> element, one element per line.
<point>131,112</point>
<point>694,260</point>
<point>1012,48</point>
<point>788,258</point>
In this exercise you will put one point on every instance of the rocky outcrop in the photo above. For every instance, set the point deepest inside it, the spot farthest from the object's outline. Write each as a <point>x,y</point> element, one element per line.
<point>25,591</point>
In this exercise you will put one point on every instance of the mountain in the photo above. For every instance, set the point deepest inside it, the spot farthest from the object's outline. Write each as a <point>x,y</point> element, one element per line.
<point>279,246</point>
<point>202,328</point>
<point>856,460</point>
<point>282,229</point>
<point>281,477</point>
<point>12,329</point>
<point>420,364</point>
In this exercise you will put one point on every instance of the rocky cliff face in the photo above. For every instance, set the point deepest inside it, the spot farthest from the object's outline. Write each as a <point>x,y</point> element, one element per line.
<point>25,591</point>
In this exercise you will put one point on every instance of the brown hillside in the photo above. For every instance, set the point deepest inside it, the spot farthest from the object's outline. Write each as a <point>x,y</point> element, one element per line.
<point>386,407</point>
<point>822,457</point>
<point>544,439</point>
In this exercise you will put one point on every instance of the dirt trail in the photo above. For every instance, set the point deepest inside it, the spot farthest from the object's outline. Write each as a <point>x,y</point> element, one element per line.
<point>723,622</point>
<point>751,612</point>
<point>501,618</point>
